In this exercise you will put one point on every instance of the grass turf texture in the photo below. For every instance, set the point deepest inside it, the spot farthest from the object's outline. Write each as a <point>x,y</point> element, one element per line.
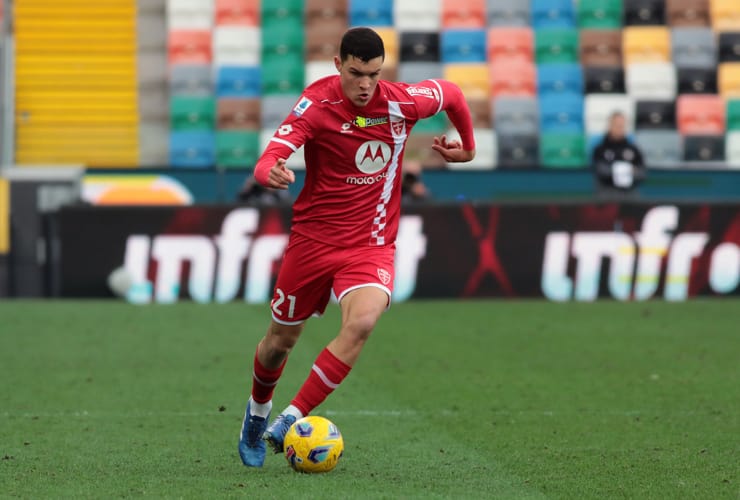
<point>449,400</point>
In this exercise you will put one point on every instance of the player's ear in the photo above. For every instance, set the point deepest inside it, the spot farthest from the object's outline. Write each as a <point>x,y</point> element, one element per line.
<point>338,63</point>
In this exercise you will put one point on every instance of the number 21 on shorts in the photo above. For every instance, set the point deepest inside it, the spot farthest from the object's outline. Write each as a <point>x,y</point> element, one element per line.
<point>281,300</point>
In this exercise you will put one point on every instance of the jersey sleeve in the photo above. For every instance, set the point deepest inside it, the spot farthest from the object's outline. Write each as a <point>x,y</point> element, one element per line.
<point>293,133</point>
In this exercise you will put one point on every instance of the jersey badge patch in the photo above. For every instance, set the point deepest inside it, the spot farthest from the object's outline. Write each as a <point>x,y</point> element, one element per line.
<point>302,106</point>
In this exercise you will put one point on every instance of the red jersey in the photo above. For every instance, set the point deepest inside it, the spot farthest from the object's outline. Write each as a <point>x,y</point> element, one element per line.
<point>352,191</point>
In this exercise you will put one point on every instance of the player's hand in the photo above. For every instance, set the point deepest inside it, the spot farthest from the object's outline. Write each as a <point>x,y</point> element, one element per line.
<point>280,175</point>
<point>452,151</point>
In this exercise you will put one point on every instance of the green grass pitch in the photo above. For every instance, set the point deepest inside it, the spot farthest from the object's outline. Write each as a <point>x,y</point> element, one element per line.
<point>475,399</point>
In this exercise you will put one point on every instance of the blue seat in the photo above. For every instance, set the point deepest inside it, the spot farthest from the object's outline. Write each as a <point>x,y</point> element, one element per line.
<point>371,13</point>
<point>561,113</point>
<point>238,81</point>
<point>463,46</point>
<point>192,149</point>
<point>559,78</point>
<point>553,14</point>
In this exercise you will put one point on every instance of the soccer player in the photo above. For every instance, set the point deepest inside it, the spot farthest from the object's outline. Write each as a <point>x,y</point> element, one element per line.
<point>353,127</point>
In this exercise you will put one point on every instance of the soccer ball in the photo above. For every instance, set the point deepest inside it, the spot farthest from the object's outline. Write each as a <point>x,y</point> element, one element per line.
<point>313,444</point>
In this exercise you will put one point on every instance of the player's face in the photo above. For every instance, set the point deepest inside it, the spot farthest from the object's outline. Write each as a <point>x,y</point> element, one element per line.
<point>359,78</point>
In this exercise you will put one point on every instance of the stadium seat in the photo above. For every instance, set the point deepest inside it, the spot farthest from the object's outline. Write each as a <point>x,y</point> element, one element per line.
<point>391,45</point>
<point>412,72</point>
<point>601,47</point>
<point>323,12</point>
<point>563,150</point>
<point>236,46</point>
<point>480,111</point>
<point>322,40</point>
<point>732,114</point>
<point>294,161</point>
<point>552,14</point>
<point>283,36</point>
<point>194,79</point>
<point>510,43</point>
<point>728,80</point>
<point>271,10</point>
<point>646,44</point>
<point>604,79</point>
<point>518,151</point>
<point>283,74</point>
<point>687,12</point>
<point>237,13</point>
<point>599,14</point>
<point>559,78</point>
<point>189,47</point>
<point>316,70</point>
<point>412,15</point>
<point>371,13</point>
<point>192,113</point>
<point>700,114</point>
<point>508,13</point>
<point>238,81</point>
<point>516,116</point>
<point>233,113</point>
<point>704,148</point>
<point>434,125</point>
<point>556,45</point>
<point>463,46</point>
<point>729,46</point>
<point>599,107</point>
<point>189,14</point>
<point>192,149</point>
<point>419,46</point>
<point>693,48</point>
<point>732,149</point>
<point>419,148</point>
<point>725,15</point>
<point>656,81</point>
<point>275,109</point>
<point>644,12</point>
<point>237,148</point>
<point>486,150</point>
<point>473,79</point>
<point>470,14</point>
<point>655,115</point>
<point>561,113</point>
<point>660,148</point>
<point>513,79</point>
<point>697,80</point>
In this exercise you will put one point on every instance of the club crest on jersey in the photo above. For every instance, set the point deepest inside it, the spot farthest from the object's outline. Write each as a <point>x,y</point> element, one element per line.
<point>302,106</point>
<point>385,276</point>
<point>363,122</point>
<point>372,156</point>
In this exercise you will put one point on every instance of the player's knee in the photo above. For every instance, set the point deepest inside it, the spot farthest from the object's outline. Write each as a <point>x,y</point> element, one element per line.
<point>359,326</point>
<point>280,339</point>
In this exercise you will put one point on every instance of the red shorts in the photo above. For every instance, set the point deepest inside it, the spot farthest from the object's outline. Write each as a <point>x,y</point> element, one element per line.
<point>312,271</point>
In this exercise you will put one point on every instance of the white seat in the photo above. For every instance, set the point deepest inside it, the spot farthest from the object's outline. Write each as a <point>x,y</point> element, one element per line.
<point>190,14</point>
<point>660,148</point>
<point>236,46</point>
<point>319,69</point>
<point>599,107</point>
<point>486,150</point>
<point>413,15</point>
<point>732,149</point>
<point>651,81</point>
<point>295,161</point>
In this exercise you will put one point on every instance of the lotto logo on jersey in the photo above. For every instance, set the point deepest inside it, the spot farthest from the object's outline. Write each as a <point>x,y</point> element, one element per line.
<point>302,106</point>
<point>372,156</point>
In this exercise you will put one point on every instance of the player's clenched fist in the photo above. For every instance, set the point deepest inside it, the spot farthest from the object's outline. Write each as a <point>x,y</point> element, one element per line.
<point>452,151</point>
<point>280,175</point>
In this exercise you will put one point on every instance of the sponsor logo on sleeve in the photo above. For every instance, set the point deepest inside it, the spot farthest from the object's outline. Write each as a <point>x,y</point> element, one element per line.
<point>421,92</point>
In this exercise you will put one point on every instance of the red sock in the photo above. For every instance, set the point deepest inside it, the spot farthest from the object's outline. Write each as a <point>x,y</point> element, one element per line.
<point>264,380</point>
<point>326,375</point>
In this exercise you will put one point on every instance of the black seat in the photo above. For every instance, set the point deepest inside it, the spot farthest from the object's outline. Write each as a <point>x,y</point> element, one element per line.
<point>644,12</point>
<point>729,46</point>
<point>697,80</point>
<point>604,79</point>
<point>704,148</point>
<point>518,151</point>
<point>419,46</point>
<point>655,115</point>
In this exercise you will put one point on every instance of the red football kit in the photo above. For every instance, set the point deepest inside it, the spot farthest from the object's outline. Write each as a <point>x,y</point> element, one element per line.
<point>345,219</point>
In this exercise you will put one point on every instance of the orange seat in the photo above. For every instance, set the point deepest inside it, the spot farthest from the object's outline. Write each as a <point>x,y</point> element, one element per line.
<point>513,78</point>
<point>320,11</point>
<point>236,113</point>
<point>699,114</point>
<point>687,12</point>
<point>646,44</point>
<point>725,15</point>
<point>601,47</point>
<point>238,12</point>
<point>472,78</point>
<point>463,14</point>
<point>728,80</point>
<point>189,46</point>
<point>390,41</point>
<point>510,43</point>
<point>323,38</point>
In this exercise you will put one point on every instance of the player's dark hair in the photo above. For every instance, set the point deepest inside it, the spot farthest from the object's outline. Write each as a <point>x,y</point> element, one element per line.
<point>362,43</point>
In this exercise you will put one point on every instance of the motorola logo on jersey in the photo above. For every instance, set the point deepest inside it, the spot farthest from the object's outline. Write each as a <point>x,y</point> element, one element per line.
<point>372,156</point>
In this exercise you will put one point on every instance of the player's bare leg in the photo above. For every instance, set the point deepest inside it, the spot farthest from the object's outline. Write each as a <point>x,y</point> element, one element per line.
<point>269,360</point>
<point>361,309</point>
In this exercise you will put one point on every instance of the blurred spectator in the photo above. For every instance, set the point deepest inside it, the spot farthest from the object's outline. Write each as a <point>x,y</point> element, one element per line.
<point>253,194</point>
<point>412,187</point>
<point>617,162</point>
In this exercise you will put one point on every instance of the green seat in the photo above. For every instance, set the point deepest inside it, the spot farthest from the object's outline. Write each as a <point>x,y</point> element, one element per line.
<point>733,114</point>
<point>563,150</point>
<point>277,9</point>
<point>283,74</point>
<point>600,14</point>
<point>436,124</point>
<point>556,45</point>
<point>192,112</point>
<point>237,148</point>
<point>281,36</point>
